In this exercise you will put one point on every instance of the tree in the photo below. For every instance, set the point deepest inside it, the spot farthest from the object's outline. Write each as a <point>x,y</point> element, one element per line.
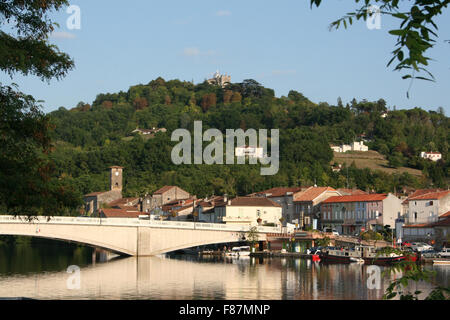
<point>415,35</point>
<point>252,236</point>
<point>27,181</point>
<point>411,272</point>
<point>140,103</point>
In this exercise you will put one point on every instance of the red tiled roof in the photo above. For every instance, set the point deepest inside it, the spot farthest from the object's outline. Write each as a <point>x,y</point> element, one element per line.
<point>352,192</point>
<point>421,225</point>
<point>442,223</point>
<point>312,193</point>
<point>279,191</point>
<point>122,202</point>
<point>445,215</point>
<point>420,192</point>
<point>163,189</point>
<point>251,202</point>
<point>431,196</point>
<point>93,194</point>
<point>121,213</point>
<point>357,198</point>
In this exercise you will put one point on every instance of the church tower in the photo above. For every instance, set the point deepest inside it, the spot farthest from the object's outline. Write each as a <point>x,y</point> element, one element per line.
<point>115,178</point>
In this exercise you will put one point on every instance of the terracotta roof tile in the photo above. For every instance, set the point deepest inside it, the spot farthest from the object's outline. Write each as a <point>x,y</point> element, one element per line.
<point>357,198</point>
<point>93,194</point>
<point>121,213</point>
<point>431,196</point>
<point>445,215</point>
<point>251,202</point>
<point>163,189</point>
<point>279,191</point>
<point>420,192</point>
<point>421,225</point>
<point>349,192</point>
<point>312,193</point>
<point>442,223</point>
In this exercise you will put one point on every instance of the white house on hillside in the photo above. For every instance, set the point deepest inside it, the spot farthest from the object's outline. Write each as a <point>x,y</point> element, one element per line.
<point>355,146</point>
<point>433,156</point>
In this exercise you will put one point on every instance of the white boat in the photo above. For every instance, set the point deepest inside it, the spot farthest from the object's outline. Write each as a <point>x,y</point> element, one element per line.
<point>239,252</point>
<point>244,251</point>
<point>234,252</point>
<point>358,260</point>
<point>441,262</point>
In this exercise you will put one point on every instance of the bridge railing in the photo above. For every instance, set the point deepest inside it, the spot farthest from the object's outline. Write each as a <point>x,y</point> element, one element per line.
<point>130,222</point>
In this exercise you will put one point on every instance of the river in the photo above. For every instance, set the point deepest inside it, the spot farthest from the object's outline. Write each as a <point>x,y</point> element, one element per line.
<point>40,271</point>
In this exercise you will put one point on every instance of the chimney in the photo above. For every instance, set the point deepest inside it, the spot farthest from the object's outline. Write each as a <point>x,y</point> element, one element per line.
<point>225,197</point>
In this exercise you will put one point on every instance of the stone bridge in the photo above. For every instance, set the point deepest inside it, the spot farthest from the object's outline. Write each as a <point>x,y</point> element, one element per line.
<point>129,236</point>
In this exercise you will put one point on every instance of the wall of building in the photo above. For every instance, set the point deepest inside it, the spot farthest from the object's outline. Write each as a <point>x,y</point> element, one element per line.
<point>392,209</point>
<point>428,211</point>
<point>248,215</point>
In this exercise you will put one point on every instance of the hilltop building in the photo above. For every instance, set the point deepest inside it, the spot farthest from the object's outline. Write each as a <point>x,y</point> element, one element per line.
<point>151,131</point>
<point>433,156</point>
<point>219,79</point>
<point>355,146</point>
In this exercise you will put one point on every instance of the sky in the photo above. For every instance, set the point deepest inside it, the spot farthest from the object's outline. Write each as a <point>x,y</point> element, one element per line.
<point>284,45</point>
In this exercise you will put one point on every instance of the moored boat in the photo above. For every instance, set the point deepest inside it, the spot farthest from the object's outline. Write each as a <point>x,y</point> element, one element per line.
<point>360,254</point>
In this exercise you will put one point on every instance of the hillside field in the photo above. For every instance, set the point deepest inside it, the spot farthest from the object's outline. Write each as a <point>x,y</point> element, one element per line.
<point>372,160</point>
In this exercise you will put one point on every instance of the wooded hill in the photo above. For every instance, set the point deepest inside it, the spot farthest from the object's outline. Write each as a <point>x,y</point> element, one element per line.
<point>89,139</point>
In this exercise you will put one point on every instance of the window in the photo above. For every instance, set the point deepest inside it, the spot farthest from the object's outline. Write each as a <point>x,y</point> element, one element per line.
<point>415,215</point>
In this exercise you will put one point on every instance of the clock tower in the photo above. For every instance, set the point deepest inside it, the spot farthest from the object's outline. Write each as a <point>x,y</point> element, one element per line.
<point>115,178</point>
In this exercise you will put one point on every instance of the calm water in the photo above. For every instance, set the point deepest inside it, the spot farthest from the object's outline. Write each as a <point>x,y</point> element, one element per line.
<point>40,271</point>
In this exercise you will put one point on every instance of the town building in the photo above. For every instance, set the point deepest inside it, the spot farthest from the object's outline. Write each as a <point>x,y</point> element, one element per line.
<point>249,211</point>
<point>164,196</point>
<point>355,146</point>
<point>357,213</point>
<point>219,79</point>
<point>426,208</point>
<point>433,156</point>
<point>307,205</point>
<point>151,131</point>
<point>285,198</point>
<point>204,210</point>
<point>414,194</point>
<point>94,201</point>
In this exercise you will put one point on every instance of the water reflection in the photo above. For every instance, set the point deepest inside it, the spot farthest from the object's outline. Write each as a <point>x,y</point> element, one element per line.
<point>189,277</point>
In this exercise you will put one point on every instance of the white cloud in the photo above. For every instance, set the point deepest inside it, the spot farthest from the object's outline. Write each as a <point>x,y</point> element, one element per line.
<point>62,35</point>
<point>223,13</point>
<point>191,52</point>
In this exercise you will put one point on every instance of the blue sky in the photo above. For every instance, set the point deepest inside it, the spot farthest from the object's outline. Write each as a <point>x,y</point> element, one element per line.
<point>283,45</point>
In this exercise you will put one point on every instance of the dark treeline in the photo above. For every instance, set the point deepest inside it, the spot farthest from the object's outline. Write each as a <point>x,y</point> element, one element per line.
<point>91,137</point>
